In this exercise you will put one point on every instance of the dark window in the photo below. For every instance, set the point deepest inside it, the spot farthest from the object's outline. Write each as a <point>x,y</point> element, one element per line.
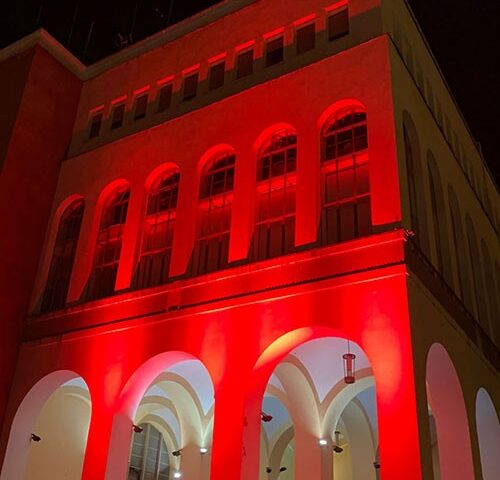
<point>108,246</point>
<point>158,232</point>
<point>95,125</point>
<point>63,257</point>
<point>274,232</point>
<point>165,97</point>
<point>214,215</point>
<point>306,38</point>
<point>274,51</point>
<point>118,114</point>
<point>216,75</point>
<point>338,24</point>
<point>148,455</point>
<point>345,191</point>
<point>244,64</point>
<point>190,86</point>
<point>141,105</point>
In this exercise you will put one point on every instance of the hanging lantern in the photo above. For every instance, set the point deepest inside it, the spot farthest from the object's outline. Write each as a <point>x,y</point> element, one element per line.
<point>349,366</point>
<point>336,442</point>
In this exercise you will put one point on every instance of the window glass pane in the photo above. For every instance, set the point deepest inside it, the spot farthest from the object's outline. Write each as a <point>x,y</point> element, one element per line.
<point>118,114</point>
<point>190,86</point>
<point>338,24</point>
<point>95,125</point>
<point>306,38</point>
<point>216,76</point>
<point>274,51</point>
<point>244,64</point>
<point>141,105</point>
<point>63,257</point>
<point>164,97</point>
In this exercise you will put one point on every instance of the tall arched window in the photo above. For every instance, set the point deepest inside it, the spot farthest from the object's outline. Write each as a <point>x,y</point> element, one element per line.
<point>274,232</point>
<point>63,257</point>
<point>345,186</point>
<point>415,177</point>
<point>214,215</point>
<point>148,455</point>
<point>464,287</point>
<point>439,221</point>
<point>158,231</point>
<point>477,275</point>
<point>109,245</point>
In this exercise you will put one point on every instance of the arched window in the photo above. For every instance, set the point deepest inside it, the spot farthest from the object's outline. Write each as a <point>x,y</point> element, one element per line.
<point>149,455</point>
<point>477,276</point>
<point>109,245</point>
<point>274,232</point>
<point>439,220</point>
<point>464,288</point>
<point>63,257</point>
<point>345,186</point>
<point>416,189</point>
<point>214,215</point>
<point>158,231</point>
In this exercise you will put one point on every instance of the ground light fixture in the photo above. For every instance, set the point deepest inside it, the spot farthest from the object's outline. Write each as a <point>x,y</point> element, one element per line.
<point>322,442</point>
<point>203,450</point>
<point>177,475</point>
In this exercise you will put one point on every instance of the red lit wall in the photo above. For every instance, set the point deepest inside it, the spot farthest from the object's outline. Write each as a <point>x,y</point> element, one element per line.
<point>39,99</point>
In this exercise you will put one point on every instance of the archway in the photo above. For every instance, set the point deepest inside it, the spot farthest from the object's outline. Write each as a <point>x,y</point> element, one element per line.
<point>447,404</point>
<point>315,425</point>
<point>488,434</point>
<point>49,433</point>
<point>163,428</point>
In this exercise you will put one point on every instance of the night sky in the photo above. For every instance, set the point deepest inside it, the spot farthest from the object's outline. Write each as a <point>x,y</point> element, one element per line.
<point>463,34</point>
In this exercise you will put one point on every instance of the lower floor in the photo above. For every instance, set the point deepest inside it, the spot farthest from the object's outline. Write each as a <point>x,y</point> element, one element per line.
<point>361,377</point>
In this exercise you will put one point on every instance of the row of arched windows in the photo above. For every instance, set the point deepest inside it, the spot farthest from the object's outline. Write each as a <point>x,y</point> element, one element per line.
<point>345,197</point>
<point>455,248</point>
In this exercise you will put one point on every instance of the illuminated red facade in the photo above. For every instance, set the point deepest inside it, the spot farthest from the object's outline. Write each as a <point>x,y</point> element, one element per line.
<point>229,191</point>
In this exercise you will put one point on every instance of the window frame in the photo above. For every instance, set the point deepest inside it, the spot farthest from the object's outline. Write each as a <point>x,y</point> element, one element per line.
<point>268,54</point>
<point>299,30</point>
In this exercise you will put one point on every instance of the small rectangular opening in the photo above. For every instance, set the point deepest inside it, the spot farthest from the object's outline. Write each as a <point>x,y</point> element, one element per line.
<point>274,51</point>
<point>118,115</point>
<point>165,97</point>
<point>95,125</point>
<point>216,75</point>
<point>190,86</point>
<point>338,23</point>
<point>141,105</point>
<point>244,64</point>
<point>305,38</point>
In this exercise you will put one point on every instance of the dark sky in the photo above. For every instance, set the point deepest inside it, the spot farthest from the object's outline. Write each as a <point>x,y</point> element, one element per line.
<point>464,36</point>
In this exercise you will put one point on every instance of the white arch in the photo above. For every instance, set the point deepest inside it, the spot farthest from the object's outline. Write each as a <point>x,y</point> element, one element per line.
<point>488,433</point>
<point>22,427</point>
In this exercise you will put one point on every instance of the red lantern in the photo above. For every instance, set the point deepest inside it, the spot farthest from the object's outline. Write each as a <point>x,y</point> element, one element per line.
<point>349,366</point>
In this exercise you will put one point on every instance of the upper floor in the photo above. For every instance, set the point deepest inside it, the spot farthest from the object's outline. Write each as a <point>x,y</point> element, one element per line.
<point>259,129</point>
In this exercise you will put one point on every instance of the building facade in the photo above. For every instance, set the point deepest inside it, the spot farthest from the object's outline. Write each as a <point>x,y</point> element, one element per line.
<point>260,244</point>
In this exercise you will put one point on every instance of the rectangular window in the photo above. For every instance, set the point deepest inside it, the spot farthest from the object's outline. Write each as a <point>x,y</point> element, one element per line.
<point>274,51</point>
<point>95,125</point>
<point>305,38</point>
<point>190,86</point>
<point>244,64</point>
<point>141,105</point>
<point>338,24</point>
<point>165,97</point>
<point>117,117</point>
<point>216,75</point>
